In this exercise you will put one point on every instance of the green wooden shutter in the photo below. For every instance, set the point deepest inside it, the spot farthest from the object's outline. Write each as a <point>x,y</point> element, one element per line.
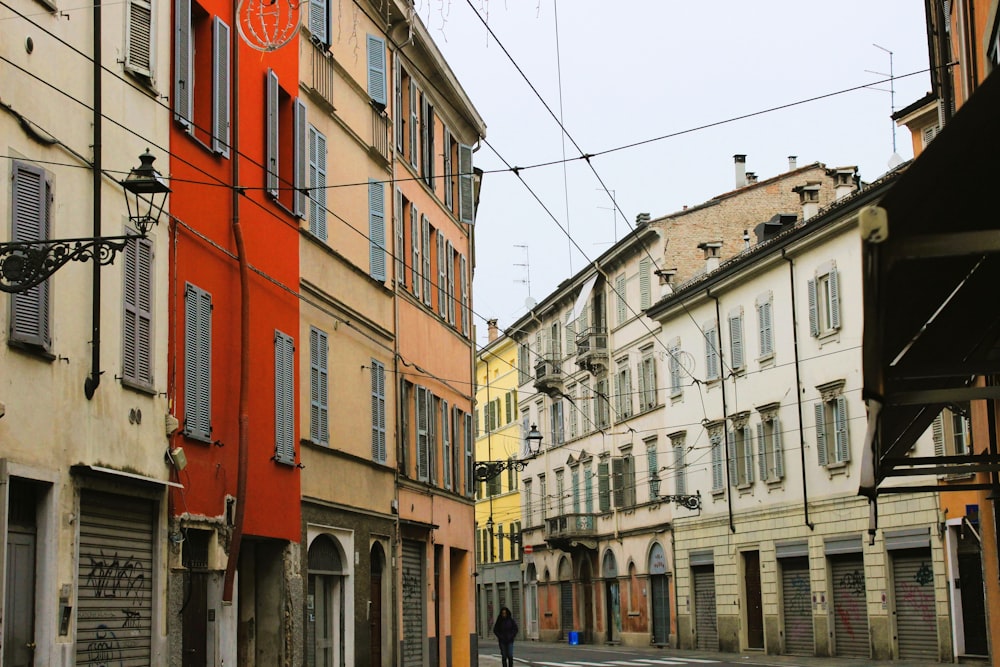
<point>31,198</point>
<point>183,66</point>
<point>284,398</point>
<point>821,444</point>
<point>378,412</point>
<point>220,87</point>
<point>603,487</point>
<point>271,131</point>
<point>376,229</point>
<point>466,194</point>
<point>680,470</point>
<point>138,42</point>
<point>469,461</point>
<point>376,69</point>
<point>197,363</point>
<point>300,159</point>
<point>319,407</point>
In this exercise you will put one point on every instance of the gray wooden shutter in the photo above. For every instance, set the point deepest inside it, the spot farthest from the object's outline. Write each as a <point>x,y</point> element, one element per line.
<point>645,293</point>
<point>376,69</point>
<point>422,426</point>
<point>398,250</point>
<point>813,312</point>
<point>779,454</point>
<point>711,354</point>
<point>603,487</point>
<point>734,478</point>
<point>197,363</point>
<point>414,124</point>
<point>680,470</point>
<point>300,159</point>
<point>183,66</point>
<point>618,480</point>
<point>820,433</point>
<point>319,25</point>
<point>764,327</point>
<point>319,407</point>
<point>736,339</point>
<point>397,115</point>
<point>378,412</point>
<point>432,438</point>
<point>449,257</point>
<point>717,463</point>
<point>762,452</point>
<point>447,460</point>
<point>415,262</point>
<point>271,128</point>
<point>466,195</point>
<point>425,226</point>
<point>748,454</point>
<point>317,183</point>
<point>284,398</point>
<point>843,447</point>
<point>622,310</point>
<point>466,311</point>
<point>441,277</point>
<point>834,299</point>
<point>138,37</point>
<point>376,228</point>
<point>220,87</point>
<point>31,198</point>
<point>137,335</point>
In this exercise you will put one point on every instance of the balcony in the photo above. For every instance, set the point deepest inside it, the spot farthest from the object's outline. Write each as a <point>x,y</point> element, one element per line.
<point>548,375</point>
<point>592,350</point>
<point>323,74</point>
<point>381,134</point>
<point>571,530</point>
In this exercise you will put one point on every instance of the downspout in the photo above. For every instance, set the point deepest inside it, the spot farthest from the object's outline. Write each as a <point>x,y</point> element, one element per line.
<point>91,383</point>
<point>725,411</point>
<point>798,390</point>
<point>991,413</point>
<point>244,416</point>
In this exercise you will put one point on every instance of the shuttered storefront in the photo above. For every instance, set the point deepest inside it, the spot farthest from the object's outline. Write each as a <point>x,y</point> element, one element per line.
<point>706,630</point>
<point>913,588</point>
<point>413,604</point>
<point>850,606</point>
<point>114,581</point>
<point>565,607</point>
<point>796,605</point>
<point>515,600</point>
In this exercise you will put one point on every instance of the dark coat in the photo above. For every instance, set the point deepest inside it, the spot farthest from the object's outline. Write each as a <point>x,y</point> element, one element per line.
<point>505,629</point>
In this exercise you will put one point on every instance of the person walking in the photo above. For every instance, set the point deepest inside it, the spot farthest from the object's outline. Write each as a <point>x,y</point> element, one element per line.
<point>505,630</point>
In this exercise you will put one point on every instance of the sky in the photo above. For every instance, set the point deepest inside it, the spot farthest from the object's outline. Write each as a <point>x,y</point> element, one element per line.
<point>656,73</point>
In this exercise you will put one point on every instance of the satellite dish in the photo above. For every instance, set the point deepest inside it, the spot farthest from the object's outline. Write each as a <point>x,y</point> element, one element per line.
<point>530,303</point>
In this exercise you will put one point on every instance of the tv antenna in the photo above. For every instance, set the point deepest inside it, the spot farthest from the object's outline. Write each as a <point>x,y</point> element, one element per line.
<point>614,212</point>
<point>892,100</point>
<point>527,271</point>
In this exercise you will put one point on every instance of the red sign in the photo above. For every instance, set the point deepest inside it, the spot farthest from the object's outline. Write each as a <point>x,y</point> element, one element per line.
<point>528,548</point>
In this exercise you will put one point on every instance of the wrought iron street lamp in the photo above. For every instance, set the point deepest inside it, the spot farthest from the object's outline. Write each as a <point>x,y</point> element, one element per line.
<point>26,264</point>
<point>682,499</point>
<point>487,470</point>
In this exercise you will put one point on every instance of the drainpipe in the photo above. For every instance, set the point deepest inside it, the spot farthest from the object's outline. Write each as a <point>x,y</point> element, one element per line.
<point>991,413</point>
<point>725,412</point>
<point>244,416</point>
<point>91,383</point>
<point>798,390</point>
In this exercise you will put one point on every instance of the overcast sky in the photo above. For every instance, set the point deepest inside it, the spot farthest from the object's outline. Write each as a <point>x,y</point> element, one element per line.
<point>635,70</point>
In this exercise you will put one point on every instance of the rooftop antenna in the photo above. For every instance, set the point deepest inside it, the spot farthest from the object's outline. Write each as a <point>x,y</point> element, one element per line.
<point>527,270</point>
<point>614,211</point>
<point>895,160</point>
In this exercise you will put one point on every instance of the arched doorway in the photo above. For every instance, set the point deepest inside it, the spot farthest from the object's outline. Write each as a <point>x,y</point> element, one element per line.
<point>612,599</point>
<point>375,605</point>
<point>531,602</point>
<point>587,586</point>
<point>325,637</point>
<point>659,598</point>
<point>565,598</point>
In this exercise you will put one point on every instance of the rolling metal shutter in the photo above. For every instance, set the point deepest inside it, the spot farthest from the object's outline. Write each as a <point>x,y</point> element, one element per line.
<point>850,606</point>
<point>114,580</point>
<point>913,588</point>
<point>515,601</point>
<point>413,604</point>
<point>796,602</point>
<point>565,607</point>
<point>706,630</point>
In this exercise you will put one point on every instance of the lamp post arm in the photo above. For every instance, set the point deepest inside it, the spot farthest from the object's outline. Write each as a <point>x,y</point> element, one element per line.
<point>26,264</point>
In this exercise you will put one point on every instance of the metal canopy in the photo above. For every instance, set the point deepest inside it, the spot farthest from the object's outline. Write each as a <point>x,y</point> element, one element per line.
<point>931,309</point>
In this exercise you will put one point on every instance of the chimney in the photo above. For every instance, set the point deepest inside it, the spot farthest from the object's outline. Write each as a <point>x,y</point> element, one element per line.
<point>713,251</point>
<point>741,170</point>
<point>844,181</point>
<point>667,277</point>
<point>809,198</point>
<point>494,332</point>
<point>792,162</point>
<point>751,178</point>
<point>642,219</point>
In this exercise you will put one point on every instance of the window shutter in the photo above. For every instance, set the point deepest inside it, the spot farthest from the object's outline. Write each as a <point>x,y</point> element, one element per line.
<point>415,263</point>
<point>31,197</point>
<point>318,23</point>
<point>137,335</point>
<point>570,328</point>
<point>645,295</point>
<point>318,387</point>
<point>449,193</point>
<point>675,370</point>
<point>843,448</point>
<point>466,195</point>
<point>834,298</point>
<point>378,412</point>
<point>813,313</point>
<point>446,457</point>
<point>376,69</point>
<point>748,454</point>
<point>220,87</point>
<point>469,475</point>
<point>643,400</point>
<point>376,228</point>
<point>197,363</point>
<point>183,66</point>
<point>762,452</point>
<point>764,327</point>
<point>441,277</point>
<point>736,339</point>
<point>466,311</point>
<point>422,426</point>
<point>618,480</point>
<point>397,116</point>
<point>271,157</point>
<point>937,430</point>
<point>398,251</point>
<point>432,439</point>
<point>301,159</point>
<point>779,454</point>
<point>734,477</point>
<point>414,124</point>
<point>284,398</point>
<point>717,482</point>
<point>620,292</point>
<point>425,226</point>
<point>711,354</point>
<point>449,256</point>
<point>603,487</point>
<point>317,183</point>
<point>138,38</point>
<point>820,434</point>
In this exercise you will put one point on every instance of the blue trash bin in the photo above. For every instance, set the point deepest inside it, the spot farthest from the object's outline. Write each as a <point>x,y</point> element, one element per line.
<point>574,638</point>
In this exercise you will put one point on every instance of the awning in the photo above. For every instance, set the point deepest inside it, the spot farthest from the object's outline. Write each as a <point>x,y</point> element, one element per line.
<point>931,312</point>
<point>581,300</point>
<point>81,468</point>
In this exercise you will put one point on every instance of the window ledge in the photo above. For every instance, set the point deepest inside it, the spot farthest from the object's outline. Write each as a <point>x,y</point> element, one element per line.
<point>838,468</point>
<point>766,360</point>
<point>774,483</point>
<point>139,387</point>
<point>718,493</point>
<point>676,398</point>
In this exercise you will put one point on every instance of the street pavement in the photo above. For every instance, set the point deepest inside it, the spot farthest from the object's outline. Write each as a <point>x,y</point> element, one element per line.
<point>559,654</point>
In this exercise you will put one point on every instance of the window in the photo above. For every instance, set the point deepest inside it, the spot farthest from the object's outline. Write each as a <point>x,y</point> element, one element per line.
<point>583,405</point>
<point>197,363</point>
<point>652,464</point>
<point>512,475</point>
<point>603,487</point>
<point>674,352</point>
<point>571,395</point>
<point>433,408</point>
<point>447,459</point>
<point>680,466</point>
<point>574,477</point>
<point>399,246</point>
<point>741,453</point>
<point>647,379</point>
<point>832,445</point>
<point>463,274</point>
<point>285,159</point>
<point>623,480</point>
<point>376,229</point>
<point>588,490</point>
<point>622,310</point>
<point>736,338</point>
<point>376,70</point>
<point>570,328</point>
<point>414,121</point>
<point>449,256</point>
<point>441,277</point>
<point>32,206</point>
<point>555,342</point>
<point>423,427</point>
<point>137,333</point>
<point>718,472</point>
<point>602,407</point>
<point>711,352</point>
<point>427,141</point>
<point>284,398</point>
<point>623,389</point>
<point>765,325</point>
<point>556,413</point>
<point>319,23</point>
<point>139,38</point>
<point>560,494</point>
<point>645,292</point>
<point>319,408</point>
<point>201,68</point>
<point>824,302</point>
<point>425,235</point>
<point>960,431</point>
<point>317,183</point>
<point>378,412</point>
<point>529,500</point>
<point>415,261</point>
<point>543,497</point>
<point>493,486</point>
<point>769,453</point>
